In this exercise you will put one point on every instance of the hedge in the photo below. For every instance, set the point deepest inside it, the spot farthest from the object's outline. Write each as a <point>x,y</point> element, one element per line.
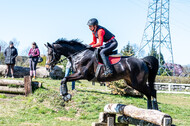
<point>173,79</point>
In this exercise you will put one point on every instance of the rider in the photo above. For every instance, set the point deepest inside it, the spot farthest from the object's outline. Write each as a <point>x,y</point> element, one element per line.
<point>106,36</point>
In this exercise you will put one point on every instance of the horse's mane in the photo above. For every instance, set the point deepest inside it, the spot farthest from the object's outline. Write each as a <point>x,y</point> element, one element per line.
<point>73,42</point>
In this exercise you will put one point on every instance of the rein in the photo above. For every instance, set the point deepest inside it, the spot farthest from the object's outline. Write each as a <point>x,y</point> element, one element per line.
<point>60,61</point>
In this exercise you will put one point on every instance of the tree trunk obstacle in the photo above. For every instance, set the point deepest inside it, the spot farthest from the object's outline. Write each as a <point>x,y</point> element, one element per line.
<point>129,114</point>
<point>19,87</point>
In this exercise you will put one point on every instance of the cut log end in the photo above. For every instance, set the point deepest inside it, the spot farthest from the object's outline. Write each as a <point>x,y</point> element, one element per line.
<point>167,121</point>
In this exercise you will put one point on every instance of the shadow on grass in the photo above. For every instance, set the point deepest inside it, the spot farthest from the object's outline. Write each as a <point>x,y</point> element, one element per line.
<point>105,93</point>
<point>34,89</point>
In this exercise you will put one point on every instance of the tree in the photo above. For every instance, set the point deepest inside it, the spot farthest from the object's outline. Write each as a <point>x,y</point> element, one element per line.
<point>16,42</point>
<point>154,53</point>
<point>128,50</point>
<point>186,70</point>
<point>43,50</point>
<point>25,51</point>
<point>163,70</point>
<point>3,45</point>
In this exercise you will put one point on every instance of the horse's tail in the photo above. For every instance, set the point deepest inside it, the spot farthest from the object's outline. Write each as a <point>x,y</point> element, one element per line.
<point>153,66</point>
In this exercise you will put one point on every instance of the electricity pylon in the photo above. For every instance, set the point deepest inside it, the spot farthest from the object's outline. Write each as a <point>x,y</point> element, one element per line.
<point>157,35</point>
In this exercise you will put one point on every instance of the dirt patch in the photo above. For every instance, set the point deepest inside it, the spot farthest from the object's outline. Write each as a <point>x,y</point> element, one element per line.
<point>30,124</point>
<point>65,119</point>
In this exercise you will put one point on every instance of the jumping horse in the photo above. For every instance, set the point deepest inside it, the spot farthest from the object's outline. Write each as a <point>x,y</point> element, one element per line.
<point>138,73</point>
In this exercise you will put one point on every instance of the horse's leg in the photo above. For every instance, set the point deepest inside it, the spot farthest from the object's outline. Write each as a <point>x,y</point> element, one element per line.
<point>64,90</point>
<point>63,87</point>
<point>153,91</point>
<point>149,104</point>
<point>154,101</point>
<point>75,76</point>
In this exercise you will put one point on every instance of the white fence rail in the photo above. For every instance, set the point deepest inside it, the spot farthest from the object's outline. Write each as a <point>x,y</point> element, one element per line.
<point>172,88</point>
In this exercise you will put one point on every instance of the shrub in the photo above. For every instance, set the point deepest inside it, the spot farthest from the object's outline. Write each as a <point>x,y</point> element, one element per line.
<point>2,58</point>
<point>43,63</point>
<point>173,79</point>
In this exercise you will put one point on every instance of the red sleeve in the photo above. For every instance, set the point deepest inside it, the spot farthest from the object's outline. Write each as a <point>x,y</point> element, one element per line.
<point>101,34</point>
<point>94,40</point>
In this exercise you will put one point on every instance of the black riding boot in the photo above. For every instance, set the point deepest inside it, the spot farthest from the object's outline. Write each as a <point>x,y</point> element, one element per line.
<point>109,70</point>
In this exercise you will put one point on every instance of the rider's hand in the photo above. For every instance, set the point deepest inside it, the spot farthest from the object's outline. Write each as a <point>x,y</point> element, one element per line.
<point>88,46</point>
<point>30,56</point>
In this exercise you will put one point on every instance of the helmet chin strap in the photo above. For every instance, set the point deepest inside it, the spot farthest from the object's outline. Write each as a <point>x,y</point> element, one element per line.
<point>95,27</point>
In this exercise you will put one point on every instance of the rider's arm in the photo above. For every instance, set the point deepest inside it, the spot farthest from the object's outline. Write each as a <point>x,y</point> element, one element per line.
<point>101,34</point>
<point>94,40</point>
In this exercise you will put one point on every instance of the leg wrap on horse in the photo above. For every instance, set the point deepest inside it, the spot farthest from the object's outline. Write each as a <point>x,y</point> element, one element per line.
<point>149,104</point>
<point>63,89</point>
<point>155,104</point>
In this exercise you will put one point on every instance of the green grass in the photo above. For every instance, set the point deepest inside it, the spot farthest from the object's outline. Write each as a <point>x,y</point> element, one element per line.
<point>46,108</point>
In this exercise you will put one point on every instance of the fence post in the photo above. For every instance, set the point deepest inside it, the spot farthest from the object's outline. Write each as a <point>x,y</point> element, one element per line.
<point>27,85</point>
<point>169,87</point>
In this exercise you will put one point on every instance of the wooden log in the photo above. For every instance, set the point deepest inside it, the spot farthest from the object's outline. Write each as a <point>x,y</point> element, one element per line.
<point>27,85</point>
<point>99,124</point>
<point>152,116</point>
<point>105,124</point>
<point>37,84</point>
<point>5,89</point>
<point>129,120</point>
<point>11,82</point>
<point>103,117</point>
<point>110,121</point>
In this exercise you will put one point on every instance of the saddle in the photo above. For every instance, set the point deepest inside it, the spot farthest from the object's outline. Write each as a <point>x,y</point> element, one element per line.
<point>114,57</point>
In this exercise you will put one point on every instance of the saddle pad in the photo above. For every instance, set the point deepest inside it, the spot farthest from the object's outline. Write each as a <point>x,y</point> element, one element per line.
<point>113,60</point>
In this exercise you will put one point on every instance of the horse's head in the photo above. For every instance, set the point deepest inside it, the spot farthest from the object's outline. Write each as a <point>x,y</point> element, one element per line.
<point>52,57</point>
<point>62,47</point>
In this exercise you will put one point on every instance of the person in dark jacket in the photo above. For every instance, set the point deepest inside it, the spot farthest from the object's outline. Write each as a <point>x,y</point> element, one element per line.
<point>10,56</point>
<point>33,54</point>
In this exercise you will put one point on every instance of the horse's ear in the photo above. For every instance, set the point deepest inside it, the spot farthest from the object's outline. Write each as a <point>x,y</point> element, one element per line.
<point>49,45</point>
<point>46,45</point>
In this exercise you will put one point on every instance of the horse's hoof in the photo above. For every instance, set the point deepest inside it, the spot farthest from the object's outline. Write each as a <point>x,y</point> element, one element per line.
<point>67,97</point>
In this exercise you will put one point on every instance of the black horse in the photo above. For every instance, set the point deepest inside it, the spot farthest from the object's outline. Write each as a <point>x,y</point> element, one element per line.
<point>135,72</point>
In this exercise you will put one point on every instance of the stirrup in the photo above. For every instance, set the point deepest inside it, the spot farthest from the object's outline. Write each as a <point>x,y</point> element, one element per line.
<point>107,73</point>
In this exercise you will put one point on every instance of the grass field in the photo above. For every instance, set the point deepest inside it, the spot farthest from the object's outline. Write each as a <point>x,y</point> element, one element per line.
<point>46,108</point>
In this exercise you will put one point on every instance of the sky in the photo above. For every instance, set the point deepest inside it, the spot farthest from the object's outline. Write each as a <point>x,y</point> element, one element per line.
<point>47,20</point>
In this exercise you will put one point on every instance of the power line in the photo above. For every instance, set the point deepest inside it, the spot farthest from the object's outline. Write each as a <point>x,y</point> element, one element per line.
<point>138,4</point>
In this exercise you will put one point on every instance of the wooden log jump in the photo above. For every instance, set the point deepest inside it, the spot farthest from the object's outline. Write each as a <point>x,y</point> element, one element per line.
<point>130,114</point>
<point>11,82</point>
<point>4,89</point>
<point>19,87</point>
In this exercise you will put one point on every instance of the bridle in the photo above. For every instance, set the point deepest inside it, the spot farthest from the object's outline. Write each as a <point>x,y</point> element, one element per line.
<point>60,61</point>
<point>54,57</point>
